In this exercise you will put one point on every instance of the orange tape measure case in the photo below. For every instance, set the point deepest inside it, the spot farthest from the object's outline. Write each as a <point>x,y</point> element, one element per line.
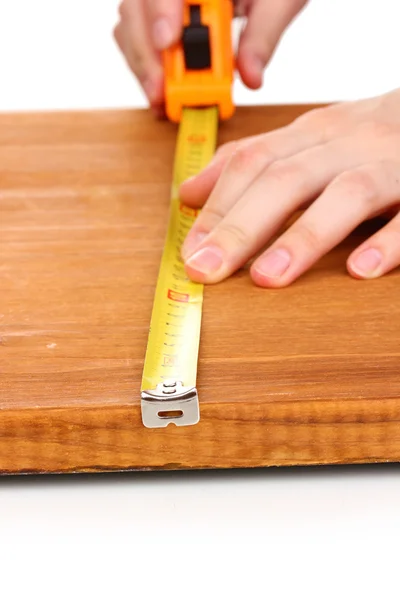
<point>199,69</point>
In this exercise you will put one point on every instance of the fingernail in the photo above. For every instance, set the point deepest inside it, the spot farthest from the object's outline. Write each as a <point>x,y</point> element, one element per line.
<point>274,264</point>
<point>192,241</point>
<point>162,34</point>
<point>367,263</point>
<point>206,260</point>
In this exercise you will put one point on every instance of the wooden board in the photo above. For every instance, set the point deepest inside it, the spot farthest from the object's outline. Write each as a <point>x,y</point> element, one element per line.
<point>303,375</point>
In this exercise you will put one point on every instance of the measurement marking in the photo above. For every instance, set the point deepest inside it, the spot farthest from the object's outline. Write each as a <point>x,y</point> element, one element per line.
<point>178,288</point>
<point>175,291</point>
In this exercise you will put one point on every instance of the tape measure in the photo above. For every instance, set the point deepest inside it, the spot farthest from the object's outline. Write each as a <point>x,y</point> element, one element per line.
<point>198,72</point>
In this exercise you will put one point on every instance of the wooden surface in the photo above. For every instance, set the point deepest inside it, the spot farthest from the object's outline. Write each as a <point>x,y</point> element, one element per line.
<point>304,375</point>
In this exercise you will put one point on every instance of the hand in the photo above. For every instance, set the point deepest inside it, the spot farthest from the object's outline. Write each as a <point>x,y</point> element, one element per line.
<point>342,162</point>
<point>149,26</point>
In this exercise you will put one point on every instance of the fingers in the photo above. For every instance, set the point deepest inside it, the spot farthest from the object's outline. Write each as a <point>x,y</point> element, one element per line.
<point>195,191</point>
<point>166,18</point>
<point>267,20</point>
<point>352,197</point>
<point>381,253</point>
<point>353,193</point>
<point>243,165</point>
<point>134,39</point>
<point>150,26</point>
<point>314,127</point>
<point>146,28</point>
<point>346,173</point>
<point>267,203</point>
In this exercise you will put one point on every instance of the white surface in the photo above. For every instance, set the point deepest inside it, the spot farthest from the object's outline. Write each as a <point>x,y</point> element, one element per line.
<point>326,533</point>
<point>58,54</point>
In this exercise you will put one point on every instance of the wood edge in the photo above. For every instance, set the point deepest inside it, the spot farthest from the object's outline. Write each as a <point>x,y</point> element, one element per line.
<point>102,439</point>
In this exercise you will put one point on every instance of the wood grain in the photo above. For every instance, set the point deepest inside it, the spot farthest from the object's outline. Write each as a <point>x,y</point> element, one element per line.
<point>304,375</point>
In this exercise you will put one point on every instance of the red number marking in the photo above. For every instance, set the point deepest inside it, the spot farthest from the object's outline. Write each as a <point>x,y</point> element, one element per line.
<point>190,212</point>
<point>178,296</point>
<point>170,361</point>
<point>197,138</point>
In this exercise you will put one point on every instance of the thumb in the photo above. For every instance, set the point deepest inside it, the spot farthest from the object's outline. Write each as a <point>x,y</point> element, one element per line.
<point>266,22</point>
<point>165,17</point>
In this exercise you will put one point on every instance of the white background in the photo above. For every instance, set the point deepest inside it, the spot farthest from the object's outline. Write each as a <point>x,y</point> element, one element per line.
<point>279,534</point>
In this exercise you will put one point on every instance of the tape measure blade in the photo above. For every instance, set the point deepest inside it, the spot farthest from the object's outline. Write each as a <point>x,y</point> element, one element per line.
<point>173,343</point>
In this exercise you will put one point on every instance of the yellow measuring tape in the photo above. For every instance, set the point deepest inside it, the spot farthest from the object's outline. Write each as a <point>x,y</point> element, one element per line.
<point>168,389</point>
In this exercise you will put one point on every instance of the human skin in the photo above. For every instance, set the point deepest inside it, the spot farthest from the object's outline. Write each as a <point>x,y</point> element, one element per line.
<point>341,164</point>
<point>147,27</point>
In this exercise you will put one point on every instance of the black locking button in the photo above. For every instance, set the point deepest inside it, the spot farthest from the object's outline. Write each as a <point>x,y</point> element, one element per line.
<point>196,42</point>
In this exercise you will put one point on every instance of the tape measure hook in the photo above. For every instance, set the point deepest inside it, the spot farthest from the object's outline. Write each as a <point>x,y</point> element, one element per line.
<point>170,402</point>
